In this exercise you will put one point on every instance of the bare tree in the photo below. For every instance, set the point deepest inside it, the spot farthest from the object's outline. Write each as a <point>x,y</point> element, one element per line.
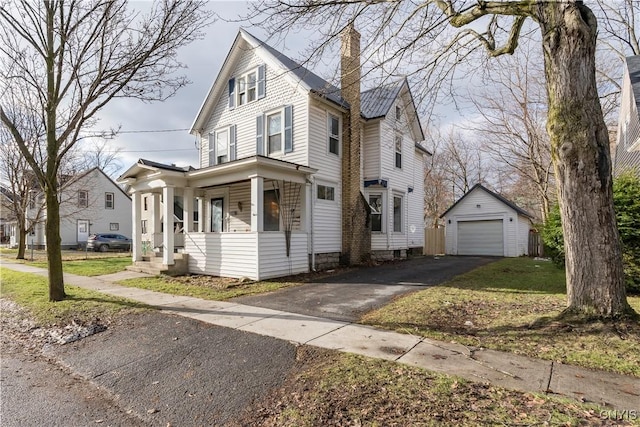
<point>617,39</point>
<point>65,60</point>
<point>457,164</point>
<point>428,39</point>
<point>513,110</point>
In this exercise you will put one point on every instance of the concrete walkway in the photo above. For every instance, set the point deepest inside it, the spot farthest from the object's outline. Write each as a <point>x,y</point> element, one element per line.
<point>502,369</point>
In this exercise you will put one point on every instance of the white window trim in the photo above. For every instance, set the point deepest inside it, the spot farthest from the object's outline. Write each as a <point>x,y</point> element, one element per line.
<point>86,199</point>
<point>339,117</point>
<point>113,200</point>
<point>213,141</point>
<point>395,150</point>
<point>280,152</point>
<point>401,196</point>
<point>218,193</point>
<point>265,132</point>
<point>383,201</point>
<point>327,184</point>
<point>245,76</point>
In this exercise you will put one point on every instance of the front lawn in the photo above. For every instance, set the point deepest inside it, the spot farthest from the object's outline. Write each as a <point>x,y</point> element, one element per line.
<point>512,305</point>
<point>206,287</point>
<point>91,266</point>
<point>81,305</point>
<point>348,390</point>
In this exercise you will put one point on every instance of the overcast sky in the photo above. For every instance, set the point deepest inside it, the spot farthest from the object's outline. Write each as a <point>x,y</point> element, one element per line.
<point>160,131</point>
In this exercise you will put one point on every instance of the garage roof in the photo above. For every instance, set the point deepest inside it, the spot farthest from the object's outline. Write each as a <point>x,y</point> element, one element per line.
<point>496,195</point>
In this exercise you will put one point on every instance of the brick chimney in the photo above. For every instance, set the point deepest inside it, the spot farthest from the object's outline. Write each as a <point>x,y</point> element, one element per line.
<point>356,233</point>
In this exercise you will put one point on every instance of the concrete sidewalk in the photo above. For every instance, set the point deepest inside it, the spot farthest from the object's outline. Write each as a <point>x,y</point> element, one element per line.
<point>502,369</point>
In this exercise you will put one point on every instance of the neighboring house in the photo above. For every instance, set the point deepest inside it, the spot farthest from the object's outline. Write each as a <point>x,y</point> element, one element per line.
<point>627,149</point>
<point>482,222</point>
<point>6,215</point>
<point>89,203</point>
<point>289,179</point>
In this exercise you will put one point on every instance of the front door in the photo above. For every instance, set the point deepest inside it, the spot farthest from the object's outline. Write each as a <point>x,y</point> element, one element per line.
<point>83,231</point>
<point>217,215</point>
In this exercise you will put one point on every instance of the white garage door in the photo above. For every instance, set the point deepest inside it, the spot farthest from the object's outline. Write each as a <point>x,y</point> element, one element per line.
<point>480,238</point>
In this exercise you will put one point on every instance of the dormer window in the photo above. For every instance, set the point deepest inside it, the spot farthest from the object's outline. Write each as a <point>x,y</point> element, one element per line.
<point>247,87</point>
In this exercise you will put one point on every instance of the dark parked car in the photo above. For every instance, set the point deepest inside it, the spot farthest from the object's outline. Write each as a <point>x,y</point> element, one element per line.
<point>104,241</point>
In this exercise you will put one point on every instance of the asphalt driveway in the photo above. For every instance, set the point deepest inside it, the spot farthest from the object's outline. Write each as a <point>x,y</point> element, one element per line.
<point>348,296</point>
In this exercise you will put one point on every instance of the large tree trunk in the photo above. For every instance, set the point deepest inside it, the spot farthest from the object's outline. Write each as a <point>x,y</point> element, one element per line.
<point>52,225</point>
<point>54,256</point>
<point>22,240</point>
<point>580,150</point>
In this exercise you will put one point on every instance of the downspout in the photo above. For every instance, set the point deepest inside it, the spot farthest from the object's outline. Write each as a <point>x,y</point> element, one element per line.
<point>311,233</point>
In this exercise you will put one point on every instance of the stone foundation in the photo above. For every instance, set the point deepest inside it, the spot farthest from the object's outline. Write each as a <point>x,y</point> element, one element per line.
<point>389,255</point>
<point>326,261</point>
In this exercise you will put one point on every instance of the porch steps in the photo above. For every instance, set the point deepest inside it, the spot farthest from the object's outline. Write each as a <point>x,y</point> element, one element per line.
<point>153,265</point>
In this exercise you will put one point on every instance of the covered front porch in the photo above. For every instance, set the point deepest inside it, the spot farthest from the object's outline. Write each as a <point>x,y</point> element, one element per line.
<point>245,218</point>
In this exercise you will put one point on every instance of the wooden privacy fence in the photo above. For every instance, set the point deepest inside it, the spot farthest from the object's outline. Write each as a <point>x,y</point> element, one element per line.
<point>536,246</point>
<point>433,241</point>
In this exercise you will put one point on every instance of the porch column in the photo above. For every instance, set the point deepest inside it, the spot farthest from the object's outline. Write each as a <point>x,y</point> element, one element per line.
<point>201,217</point>
<point>167,235</point>
<point>257,203</point>
<point>136,236</point>
<point>187,209</point>
<point>155,214</point>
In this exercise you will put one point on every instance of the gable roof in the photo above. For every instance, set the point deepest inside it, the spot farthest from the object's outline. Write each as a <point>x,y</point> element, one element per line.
<point>90,171</point>
<point>375,103</point>
<point>298,74</point>
<point>496,195</point>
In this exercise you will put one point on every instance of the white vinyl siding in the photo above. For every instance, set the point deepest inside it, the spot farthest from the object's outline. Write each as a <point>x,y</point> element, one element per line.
<point>96,211</point>
<point>326,214</point>
<point>371,150</point>
<point>257,256</point>
<point>482,206</point>
<point>279,93</point>
<point>407,182</point>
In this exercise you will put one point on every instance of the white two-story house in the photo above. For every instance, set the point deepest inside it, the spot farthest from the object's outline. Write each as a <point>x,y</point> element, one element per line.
<point>290,178</point>
<point>90,202</point>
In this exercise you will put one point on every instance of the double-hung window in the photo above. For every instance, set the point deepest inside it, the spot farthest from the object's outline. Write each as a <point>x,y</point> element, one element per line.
<point>222,145</point>
<point>247,87</point>
<point>83,198</point>
<point>375,202</point>
<point>398,151</point>
<point>397,214</point>
<point>334,134</point>
<point>274,132</point>
<point>108,201</point>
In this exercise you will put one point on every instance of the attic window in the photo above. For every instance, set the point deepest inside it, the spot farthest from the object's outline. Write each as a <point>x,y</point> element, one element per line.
<point>247,87</point>
<point>398,113</point>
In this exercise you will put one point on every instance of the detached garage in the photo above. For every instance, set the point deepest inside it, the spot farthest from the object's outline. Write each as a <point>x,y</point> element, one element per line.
<point>484,223</point>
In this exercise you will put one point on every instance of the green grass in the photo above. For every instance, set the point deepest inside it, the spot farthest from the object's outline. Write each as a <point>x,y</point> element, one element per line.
<point>31,292</point>
<point>346,389</point>
<point>210,288</point>
<point>91,266</point>
<point>513,305</point>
